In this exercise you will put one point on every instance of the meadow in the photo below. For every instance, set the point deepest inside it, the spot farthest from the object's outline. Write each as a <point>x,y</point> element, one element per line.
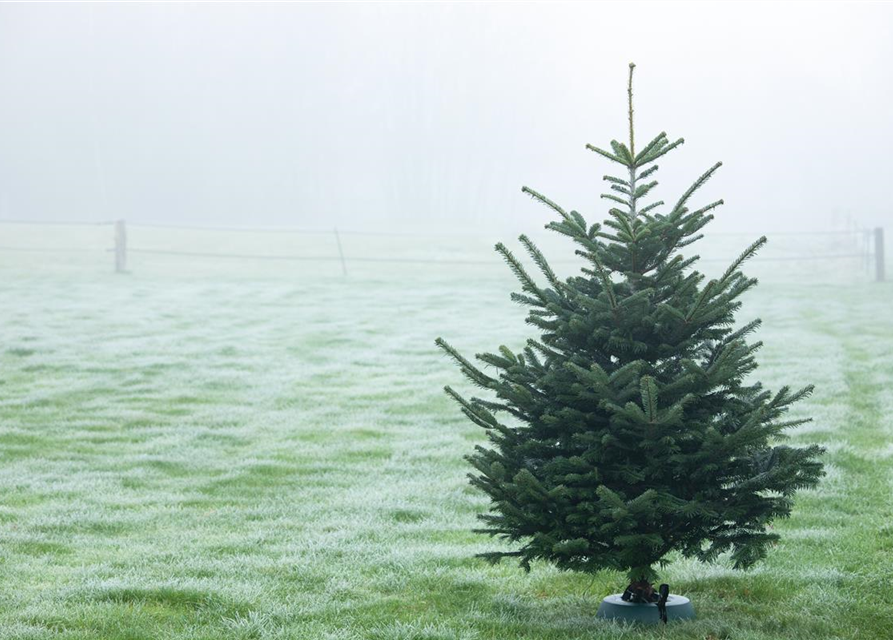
<point>241,455</point>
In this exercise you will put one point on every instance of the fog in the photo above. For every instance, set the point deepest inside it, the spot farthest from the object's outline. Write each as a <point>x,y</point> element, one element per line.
<point>391,116</point>
<point>245,245</point>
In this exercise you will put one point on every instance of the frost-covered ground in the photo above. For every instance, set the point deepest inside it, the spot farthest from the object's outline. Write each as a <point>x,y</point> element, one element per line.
<point>251,457</point>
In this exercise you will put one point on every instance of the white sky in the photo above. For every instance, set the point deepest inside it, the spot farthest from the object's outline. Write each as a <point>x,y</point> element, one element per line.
<point>390,115</point>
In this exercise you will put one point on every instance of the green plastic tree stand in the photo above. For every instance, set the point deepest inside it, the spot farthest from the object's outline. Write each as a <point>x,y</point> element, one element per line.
<point>614,608</point>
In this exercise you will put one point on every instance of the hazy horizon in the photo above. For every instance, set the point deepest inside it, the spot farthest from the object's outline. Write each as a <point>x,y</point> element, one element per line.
<point>399,116</point>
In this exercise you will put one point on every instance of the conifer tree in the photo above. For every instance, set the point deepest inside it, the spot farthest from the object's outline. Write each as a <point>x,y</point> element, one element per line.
<point>629,429</point>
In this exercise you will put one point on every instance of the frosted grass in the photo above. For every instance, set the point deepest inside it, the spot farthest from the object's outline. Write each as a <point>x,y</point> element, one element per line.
<point>266,458</point>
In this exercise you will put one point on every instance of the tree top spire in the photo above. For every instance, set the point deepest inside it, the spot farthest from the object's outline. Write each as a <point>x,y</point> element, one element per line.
<point>629,92</point>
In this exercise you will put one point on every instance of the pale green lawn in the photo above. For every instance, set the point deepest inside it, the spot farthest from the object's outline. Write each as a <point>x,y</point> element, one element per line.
<point>265,458</point>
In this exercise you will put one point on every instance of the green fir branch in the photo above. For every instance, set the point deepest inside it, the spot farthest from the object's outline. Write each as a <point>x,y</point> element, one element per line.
<point>541,262</point>
<point>700,182</point>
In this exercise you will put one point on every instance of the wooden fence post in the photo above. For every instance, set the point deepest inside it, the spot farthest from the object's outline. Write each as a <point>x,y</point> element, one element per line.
<point>879,266</point>
<point>120,246</point>
<point>340,253</point>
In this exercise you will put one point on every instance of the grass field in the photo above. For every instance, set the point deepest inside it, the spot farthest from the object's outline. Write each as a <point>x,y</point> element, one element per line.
<point>274,458</point>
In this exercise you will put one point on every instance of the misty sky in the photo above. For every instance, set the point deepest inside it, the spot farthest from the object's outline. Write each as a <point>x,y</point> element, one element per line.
<point>389,115</point>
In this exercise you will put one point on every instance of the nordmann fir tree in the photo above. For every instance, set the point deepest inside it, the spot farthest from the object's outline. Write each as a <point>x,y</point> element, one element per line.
<point>633,432</point>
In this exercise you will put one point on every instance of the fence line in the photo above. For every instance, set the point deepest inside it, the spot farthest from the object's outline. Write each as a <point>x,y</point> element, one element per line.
<point>341,259</point>
<point>192,227</point>
<point>246,256</point>
<point>239,256</point>
<point>49,250</point>
<point>76,223</point>
<point>121,249</point>
<point>440,233</point>
<point>357,232</point>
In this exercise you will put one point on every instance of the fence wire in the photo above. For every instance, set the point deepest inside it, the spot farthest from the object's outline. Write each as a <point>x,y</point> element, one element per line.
<point>856,236</point>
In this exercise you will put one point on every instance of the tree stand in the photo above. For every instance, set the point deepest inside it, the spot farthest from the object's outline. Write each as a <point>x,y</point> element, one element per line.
<point>614,607</point>
<point>641,603</point>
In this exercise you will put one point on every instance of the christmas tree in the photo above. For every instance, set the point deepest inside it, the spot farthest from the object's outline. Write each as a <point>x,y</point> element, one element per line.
<point>628,430</point>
